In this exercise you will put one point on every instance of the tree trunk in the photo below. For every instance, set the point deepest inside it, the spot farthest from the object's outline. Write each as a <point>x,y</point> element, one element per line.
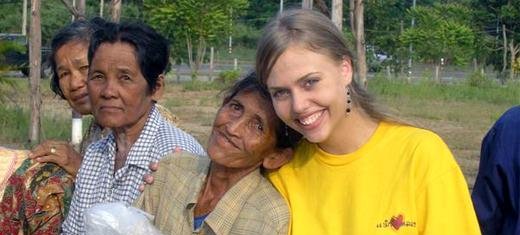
<point>307,4</point>
<point>436,75</point>
<point>360,43</point>
<point>189,46</point>
<point>73,10</point>
<point>337,13</point>
<point>514,51</point>
<point>322,7</point>
<point>101,7</point>
<point>201,52</point>
<point>351,7</point>
<point>81,9</point>
<point>34,74</point>
<point>24,20</point>
<point>115,10</point>
<point>504,55</point>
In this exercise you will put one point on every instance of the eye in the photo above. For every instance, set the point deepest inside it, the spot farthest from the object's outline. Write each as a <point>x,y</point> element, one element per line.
<point>309,83</point>
<point>84,68</point>
<point>235,106</point>
<point>63,74</point>
<point>96,76</point>
<point>125,77</point>
<point>257,126</point>
<point>280,94</point>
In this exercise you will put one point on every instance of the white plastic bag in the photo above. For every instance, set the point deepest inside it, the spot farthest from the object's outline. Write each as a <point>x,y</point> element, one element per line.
<point>115,218</point>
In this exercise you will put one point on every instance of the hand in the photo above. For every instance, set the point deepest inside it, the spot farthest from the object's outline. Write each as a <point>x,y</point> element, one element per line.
<point>59,152</point>
<point>148,178</point>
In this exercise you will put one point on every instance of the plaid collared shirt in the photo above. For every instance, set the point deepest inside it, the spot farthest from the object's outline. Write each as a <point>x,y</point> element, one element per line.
<point>96,181</point>
<point>251,206</point>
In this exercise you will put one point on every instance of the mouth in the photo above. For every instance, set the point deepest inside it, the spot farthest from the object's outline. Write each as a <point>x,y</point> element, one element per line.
<point>227,141</point>
<point>109,108</point>
<point>310,120</point>
<point>81,98</point>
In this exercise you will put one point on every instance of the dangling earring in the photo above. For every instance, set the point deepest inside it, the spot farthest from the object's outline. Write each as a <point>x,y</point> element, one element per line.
<point>286,131</point>
<point>349,100</point>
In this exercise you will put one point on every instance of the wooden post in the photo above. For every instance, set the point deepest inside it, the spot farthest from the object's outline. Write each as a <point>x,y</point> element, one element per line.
<point>34,74</point>
<point>211,57</point>
<point>235,64</point>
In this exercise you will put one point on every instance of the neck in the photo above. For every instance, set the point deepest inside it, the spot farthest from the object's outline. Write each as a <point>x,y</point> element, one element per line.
<point>220,179</point>
<point>353,132</point>
<point>125,137</point>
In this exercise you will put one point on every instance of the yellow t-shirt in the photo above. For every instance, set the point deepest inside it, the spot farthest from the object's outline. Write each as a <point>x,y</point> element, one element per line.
<point>404,180</point>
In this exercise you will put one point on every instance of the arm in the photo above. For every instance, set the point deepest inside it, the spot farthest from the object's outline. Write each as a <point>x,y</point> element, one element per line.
<point>443,201</point>
<point>496,183</point>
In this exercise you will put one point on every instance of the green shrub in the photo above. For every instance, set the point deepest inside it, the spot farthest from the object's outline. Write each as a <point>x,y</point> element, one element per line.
<point>477,79</point>
<point>197,85</point>
<point>228,77</point>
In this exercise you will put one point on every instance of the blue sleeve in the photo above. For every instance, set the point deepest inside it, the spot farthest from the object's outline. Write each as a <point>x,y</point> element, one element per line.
<point>495,193</point>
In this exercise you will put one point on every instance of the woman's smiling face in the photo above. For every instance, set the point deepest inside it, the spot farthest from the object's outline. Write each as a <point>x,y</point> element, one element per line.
<point>243,132</point>
<point>308,90</point>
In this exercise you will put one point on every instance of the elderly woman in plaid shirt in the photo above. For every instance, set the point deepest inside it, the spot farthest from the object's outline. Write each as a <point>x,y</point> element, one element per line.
<point>227,193</point>
<point>125,78</point>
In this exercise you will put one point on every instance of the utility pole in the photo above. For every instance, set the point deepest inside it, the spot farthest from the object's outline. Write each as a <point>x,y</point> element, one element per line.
<point>281,6</point>
<point>411,48</point>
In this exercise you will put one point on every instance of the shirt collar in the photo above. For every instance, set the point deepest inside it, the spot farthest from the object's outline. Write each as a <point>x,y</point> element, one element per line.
<point>143,148</point>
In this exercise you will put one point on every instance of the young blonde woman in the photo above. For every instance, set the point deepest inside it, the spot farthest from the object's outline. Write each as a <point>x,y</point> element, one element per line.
<point>358,171</point>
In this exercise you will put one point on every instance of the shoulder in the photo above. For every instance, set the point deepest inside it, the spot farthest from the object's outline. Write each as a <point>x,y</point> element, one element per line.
<point>270,204</point>
<point>509,121</point>
<point>414,139</point>
<point>185,161</point>
<point>169,136</point>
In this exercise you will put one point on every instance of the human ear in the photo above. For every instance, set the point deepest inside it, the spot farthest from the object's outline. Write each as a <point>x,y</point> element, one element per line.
<point>277,158</point>
<point>158,90</point>
<point>346,70</point>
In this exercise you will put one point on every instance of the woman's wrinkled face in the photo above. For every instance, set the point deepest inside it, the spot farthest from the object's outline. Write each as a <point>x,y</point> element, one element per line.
<point>308,90</point>
<point>72,70</point>
<point>118,91</point>
<point>243,132</point>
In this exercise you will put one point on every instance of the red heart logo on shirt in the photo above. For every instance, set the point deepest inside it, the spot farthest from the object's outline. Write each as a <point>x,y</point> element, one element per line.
<point>397,221</point>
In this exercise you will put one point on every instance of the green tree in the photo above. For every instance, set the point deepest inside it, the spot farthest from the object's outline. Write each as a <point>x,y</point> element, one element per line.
<point>194,23</point>
<point>442,32</point>
<point>498,20</point>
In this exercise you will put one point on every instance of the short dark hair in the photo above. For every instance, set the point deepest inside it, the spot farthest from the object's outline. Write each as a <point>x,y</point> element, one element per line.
<point>80,31</point>
<point>152,49</point>
<point>286,137</point>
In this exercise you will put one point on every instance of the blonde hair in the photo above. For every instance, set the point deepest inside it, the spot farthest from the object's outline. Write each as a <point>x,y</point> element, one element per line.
<point>317,33</point>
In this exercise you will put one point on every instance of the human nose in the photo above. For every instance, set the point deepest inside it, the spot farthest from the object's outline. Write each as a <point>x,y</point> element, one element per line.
<point>235,126</point>
<point>78,81</point>
<point>109,89</point>
<point>298,102</point>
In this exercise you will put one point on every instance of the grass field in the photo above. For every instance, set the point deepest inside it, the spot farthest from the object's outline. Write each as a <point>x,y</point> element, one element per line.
<point>459,113</point>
